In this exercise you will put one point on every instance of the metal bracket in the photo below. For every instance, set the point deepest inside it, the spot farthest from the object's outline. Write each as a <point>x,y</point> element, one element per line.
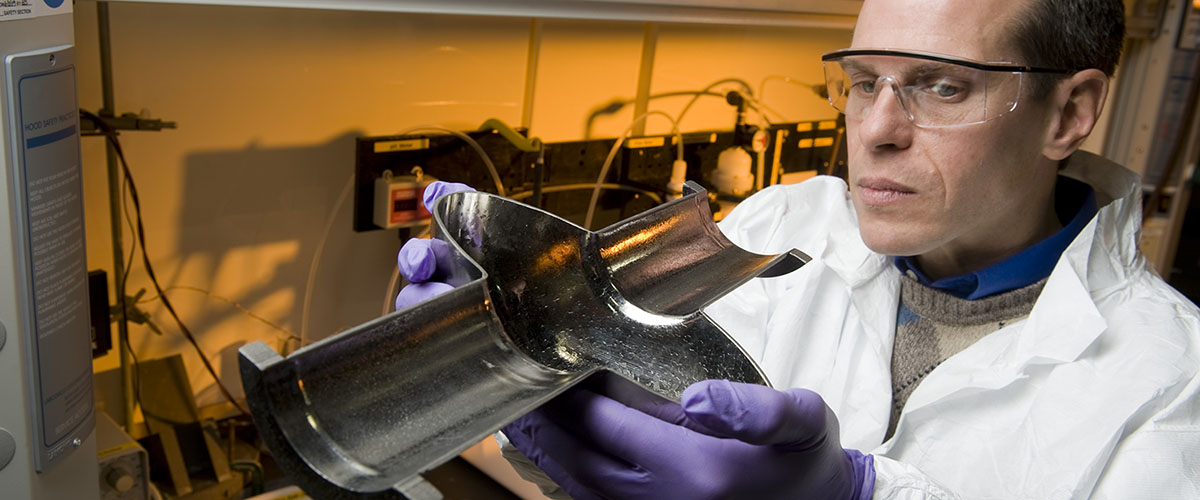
<point>127,121</point>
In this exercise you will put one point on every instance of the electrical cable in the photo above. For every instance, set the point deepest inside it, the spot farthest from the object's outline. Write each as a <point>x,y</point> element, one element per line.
<point>389,299</point>
<point>749,92</point>
<point>111,135</point>
<point>762,109</point>
<point>755,103</point>
<point>487,161</point>
<point>123,291</point>
<point>612,154</point>
<point>818,89</point>
<point>654,196</point>
<point>137,366</point>
<point>235,304</point>
<point>132,352</point>
<point>619,104</point>
<point>132,230</point>
<point>310,281</point>
<point>748,95</point>
<point>166,301</point>
<point>255,472</point>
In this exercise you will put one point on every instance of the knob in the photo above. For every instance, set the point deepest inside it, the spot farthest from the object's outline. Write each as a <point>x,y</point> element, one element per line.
<point>119,479</point>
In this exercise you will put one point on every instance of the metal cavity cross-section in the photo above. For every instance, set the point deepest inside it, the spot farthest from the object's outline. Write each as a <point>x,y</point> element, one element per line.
<point>540,304</point>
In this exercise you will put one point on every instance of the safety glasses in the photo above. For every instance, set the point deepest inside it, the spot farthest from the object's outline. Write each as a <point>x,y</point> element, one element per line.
<point>933,90</point>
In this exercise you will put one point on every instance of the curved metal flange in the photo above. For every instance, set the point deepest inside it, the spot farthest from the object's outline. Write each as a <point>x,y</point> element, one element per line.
<point>540,304</point>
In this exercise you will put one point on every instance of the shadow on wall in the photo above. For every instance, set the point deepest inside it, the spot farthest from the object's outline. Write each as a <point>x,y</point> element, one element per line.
<point>251,222</point>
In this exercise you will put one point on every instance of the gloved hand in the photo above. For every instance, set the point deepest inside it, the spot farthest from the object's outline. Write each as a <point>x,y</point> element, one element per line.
<point>727,440</point>
<point>418,257</point>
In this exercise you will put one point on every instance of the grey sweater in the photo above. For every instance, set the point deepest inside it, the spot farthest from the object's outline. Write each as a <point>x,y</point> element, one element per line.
<point>933,325</point>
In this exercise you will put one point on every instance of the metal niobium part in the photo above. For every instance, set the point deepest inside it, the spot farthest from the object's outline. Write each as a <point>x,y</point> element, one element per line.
<point>540,305</point>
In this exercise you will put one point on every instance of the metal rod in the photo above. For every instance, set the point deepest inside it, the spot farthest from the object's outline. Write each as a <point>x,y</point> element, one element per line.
<point>114,209</point>
<point>641,102</point>
<point>531,66</point>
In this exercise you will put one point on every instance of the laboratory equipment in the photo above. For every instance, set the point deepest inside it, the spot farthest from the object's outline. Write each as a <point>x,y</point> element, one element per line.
<point>47,439</point>
<point>398,200</point>
<point>124,464</point>
<point>540,305</point>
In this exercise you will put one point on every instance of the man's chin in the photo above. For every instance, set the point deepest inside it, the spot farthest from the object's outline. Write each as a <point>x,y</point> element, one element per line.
<point>889,243</point>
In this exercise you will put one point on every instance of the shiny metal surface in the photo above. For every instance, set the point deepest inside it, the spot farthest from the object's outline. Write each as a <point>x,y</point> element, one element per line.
<point>540,305</point>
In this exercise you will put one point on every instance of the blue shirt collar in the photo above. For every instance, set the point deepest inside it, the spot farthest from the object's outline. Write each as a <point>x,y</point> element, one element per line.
<point>1027,266</point>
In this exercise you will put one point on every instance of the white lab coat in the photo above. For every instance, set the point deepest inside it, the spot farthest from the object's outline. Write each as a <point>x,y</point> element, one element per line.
<point>1094,395</point>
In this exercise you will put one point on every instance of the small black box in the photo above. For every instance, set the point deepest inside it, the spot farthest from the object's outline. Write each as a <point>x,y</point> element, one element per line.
<point>98,303</point>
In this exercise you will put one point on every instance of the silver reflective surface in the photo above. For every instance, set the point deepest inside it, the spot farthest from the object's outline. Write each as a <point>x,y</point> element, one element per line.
<point>540,305</point>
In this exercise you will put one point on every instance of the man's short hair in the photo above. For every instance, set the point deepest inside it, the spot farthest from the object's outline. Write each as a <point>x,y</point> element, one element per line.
<point>1069,34</point>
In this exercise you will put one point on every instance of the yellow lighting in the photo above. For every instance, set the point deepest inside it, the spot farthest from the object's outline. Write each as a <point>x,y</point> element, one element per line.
<point>639,238</point>
<point>557,256</point>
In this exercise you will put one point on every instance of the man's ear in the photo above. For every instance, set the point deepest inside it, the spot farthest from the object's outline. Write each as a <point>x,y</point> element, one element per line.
<point>1076,103</point>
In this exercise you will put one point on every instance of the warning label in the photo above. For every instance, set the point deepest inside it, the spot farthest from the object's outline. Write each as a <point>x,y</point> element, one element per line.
<point>12,10</point>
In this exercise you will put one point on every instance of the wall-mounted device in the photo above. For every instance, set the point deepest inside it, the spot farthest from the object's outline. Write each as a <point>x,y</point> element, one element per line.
<point>47,423</point>
<point>783,153</point>
<point>398,199</point>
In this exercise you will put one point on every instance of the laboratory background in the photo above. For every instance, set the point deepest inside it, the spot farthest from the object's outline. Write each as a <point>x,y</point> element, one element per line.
<point>233,172</point>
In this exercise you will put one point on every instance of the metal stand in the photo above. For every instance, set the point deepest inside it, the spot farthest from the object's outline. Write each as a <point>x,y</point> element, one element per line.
<point>125,122</point>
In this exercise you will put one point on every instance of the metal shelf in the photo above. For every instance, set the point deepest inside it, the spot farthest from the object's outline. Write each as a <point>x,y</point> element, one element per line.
<point>828,14</point>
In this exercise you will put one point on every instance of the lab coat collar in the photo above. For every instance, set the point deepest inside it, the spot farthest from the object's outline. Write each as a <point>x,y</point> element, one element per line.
<point>1100,259</point>
<point>875,296</point>
<point>873,285</point>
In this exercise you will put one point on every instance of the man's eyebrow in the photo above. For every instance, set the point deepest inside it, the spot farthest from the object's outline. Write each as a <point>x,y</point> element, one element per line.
<point>925,69</point>
<point>920,69</point>
<point>853,65</point>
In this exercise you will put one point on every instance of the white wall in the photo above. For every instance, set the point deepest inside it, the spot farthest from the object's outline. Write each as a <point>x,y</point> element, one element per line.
<point>268,102</point>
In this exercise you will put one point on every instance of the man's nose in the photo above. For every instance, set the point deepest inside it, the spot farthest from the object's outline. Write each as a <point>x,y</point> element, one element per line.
<point>886,124</point>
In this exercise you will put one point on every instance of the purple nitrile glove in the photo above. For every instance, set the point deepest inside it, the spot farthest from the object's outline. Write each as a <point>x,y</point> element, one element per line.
<point>418,257</point>
<point>438,189</point>
<point>727,440</point>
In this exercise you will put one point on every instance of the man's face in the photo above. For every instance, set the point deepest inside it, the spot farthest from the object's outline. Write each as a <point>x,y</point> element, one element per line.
<point>971,194</point>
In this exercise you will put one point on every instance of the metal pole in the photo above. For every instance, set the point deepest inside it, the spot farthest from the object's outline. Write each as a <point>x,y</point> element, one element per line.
<point>641,103</point>
<point>114,209</point>
<point>531,67</point>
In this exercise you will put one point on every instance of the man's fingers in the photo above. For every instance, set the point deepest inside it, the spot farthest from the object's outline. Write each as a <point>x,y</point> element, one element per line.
<point>637,397</point>
<point>569,461</point>
<point>616,430</point>
<point>757,414</point>
<point>438,189</point>
<point>419,292</point>
<point>521,434</point>
<point>417,260</point>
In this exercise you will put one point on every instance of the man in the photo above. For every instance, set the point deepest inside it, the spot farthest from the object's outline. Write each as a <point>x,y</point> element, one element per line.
<point>977,317</point>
